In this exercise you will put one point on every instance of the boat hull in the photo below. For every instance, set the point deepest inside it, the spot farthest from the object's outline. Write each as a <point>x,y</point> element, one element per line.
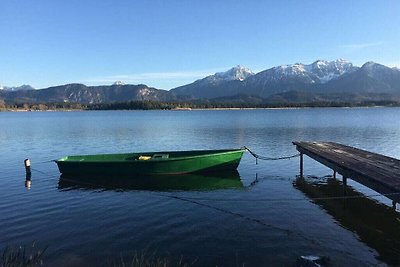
<point>178,162</point>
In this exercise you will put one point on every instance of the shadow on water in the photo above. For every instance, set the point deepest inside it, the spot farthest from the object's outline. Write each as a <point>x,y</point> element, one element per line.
<point>182,182</point>
<point>376,224</point>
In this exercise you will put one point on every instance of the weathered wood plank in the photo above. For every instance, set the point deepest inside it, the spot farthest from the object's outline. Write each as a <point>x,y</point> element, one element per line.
<point>386,166</point>
<point>379,172</point>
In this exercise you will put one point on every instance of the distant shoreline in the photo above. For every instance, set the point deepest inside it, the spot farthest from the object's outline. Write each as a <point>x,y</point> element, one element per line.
<point>201,104</point>
<point>39,110</point>
<point>192,109</point>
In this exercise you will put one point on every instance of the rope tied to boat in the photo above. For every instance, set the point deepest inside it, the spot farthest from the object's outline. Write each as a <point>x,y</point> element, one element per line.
<point>46,161</point>
<point>257,156</point>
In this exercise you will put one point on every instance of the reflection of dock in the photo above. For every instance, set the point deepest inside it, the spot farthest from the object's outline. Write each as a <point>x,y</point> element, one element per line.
<point>375,223</point>
<point>375,171</point>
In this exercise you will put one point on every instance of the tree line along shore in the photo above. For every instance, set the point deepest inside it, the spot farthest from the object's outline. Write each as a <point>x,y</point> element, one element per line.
<point>157,105</point>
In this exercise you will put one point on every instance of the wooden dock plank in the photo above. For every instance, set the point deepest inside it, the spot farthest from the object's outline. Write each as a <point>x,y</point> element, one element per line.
<point>363,161</point>
<point>379,172</point>
<point>357,159</point>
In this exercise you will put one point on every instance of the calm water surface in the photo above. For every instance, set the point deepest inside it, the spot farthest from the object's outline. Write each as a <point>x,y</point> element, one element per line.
<point>261,216</point>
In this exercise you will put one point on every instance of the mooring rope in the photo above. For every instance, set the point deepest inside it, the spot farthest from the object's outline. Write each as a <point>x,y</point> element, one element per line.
<point>245,217</point>
<point>256,156</point>
<point>46,161</point>
<point>42,172</point>
<point>292,199</point>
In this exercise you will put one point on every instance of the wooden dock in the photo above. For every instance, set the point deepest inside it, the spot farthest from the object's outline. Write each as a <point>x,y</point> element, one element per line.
<point>376,171</point>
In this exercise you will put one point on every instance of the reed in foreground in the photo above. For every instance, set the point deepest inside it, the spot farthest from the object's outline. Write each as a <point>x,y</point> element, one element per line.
<point>21,256</point>
<point>144,259</point>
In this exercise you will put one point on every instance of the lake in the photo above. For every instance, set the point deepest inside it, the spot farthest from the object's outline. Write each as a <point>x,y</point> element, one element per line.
<point>260,216</point>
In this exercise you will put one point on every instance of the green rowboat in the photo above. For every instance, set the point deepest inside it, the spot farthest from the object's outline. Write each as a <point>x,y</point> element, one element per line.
<point>152,163</point>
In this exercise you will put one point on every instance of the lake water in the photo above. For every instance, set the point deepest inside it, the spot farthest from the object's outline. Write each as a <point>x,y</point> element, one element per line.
<point>260,217</point>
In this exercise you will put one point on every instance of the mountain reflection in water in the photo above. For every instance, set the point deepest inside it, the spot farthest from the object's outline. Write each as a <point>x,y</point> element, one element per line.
<point>376,224</point>
<point>182,182</point>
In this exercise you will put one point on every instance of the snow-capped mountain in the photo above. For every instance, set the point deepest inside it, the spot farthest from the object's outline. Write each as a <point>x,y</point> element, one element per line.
<point>118,83</point>
<point>24,87</point>
<point>296,77</point>
<point>328,70</point>
<point>321,71</point>
<point>378,70</point>
<point>370,78</point>
<point>321,76</point>
<point>236,73</point>
<point>209,87</point>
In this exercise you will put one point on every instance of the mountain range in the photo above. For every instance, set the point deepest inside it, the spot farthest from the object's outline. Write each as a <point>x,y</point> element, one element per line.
<point>80,93</point>
<point>24,87</point>
<point>321,78</point>
<point>338,81</point>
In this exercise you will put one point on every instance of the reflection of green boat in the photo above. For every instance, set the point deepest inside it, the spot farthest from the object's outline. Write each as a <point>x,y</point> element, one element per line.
<point>154,182</point>
<point>149,163</point>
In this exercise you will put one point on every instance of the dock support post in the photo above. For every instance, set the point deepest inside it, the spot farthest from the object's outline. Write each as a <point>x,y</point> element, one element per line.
<point>27,164</point>
<point>28,181</point>
<point>344,191</point>
<point>344,185</point>
<point>301,166</point>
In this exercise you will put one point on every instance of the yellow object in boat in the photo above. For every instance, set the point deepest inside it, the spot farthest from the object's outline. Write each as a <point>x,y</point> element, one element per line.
<point>144,158</point>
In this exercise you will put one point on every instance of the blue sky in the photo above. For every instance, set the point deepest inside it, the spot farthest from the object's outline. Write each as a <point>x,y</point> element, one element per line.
<point>165,44</point>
